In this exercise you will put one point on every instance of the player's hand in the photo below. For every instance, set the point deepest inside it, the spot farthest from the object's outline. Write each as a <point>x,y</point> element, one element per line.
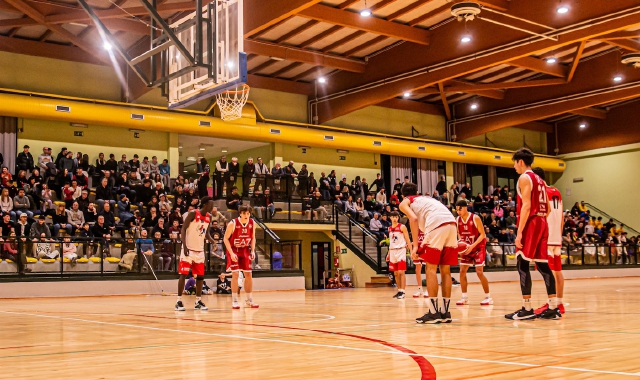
<point>519,242</point>
<point>414,257</point>
<point>185,251</point>
<point>253,255</point>
<point>387,258</point>
<point>233,257</point>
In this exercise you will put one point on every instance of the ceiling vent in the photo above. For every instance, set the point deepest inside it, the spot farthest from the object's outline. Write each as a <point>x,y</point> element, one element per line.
<point>466,11</point>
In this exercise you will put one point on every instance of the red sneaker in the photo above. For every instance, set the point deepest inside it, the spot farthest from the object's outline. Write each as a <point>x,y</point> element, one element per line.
<point>561,308</point>
<point>542,309</point>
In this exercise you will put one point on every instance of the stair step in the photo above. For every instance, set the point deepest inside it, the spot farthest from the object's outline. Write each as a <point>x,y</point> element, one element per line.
<point>381,280</point>
<point>375,285</point>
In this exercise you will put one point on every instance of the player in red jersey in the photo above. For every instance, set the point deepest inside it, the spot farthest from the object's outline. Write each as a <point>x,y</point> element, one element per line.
<point>555,220</point>
<point>240,240</point>
<point>397,256</point>
<point>531,239</point>
<point>438,248</point>
<point>471,231</point>
<point>194,231</point>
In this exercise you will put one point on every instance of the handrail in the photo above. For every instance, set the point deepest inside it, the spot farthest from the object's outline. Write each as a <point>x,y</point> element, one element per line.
<point>267,230</point>
<point>354,222</point>
<point>618,221</point>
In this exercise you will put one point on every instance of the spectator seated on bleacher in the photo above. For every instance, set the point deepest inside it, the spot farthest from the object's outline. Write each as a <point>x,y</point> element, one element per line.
<point>233,199</point>
<point>376,227</point>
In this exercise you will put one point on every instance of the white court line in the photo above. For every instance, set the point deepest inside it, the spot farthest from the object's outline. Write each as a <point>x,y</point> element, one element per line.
<point>518,364</point>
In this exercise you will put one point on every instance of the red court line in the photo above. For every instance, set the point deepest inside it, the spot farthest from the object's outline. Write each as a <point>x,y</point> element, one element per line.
<point>428,372</point>
<point>15,347</point>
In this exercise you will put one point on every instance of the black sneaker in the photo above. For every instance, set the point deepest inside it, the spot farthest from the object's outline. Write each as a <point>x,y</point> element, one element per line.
<point>400,295</point>
<point>454,282</point>
<point>180,306</point>
<point>201,306</point>
<point>396,295</point>
<point>550,314</point>
<point>521,314</point>
<point>446,317</point>
<point>430,318</point>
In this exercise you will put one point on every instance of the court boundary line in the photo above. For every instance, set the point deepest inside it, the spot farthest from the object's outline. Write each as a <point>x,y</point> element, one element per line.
<point>519,364</point>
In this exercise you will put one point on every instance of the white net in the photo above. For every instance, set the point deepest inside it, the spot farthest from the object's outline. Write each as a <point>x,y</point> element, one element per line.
<point>231,102</point>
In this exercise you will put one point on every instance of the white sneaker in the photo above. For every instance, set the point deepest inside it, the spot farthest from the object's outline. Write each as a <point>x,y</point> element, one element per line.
<point>462,302</point>
<point>251,304</point>
<point>487,301</point>
<point>235,305</point>
<point>418,294</point>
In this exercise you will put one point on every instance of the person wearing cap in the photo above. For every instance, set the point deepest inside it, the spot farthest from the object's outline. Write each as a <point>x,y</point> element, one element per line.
<point>24,160</point>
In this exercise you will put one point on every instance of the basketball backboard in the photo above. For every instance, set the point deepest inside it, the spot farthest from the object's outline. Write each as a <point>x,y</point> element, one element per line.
<point>217,46</point>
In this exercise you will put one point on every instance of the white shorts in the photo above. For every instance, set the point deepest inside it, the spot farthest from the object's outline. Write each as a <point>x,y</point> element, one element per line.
<point>195,257</point>
<point>397,254</point>
<point>554,250</point>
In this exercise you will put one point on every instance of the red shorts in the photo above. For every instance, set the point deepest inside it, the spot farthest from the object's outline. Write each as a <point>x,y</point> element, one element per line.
<point>534,239</point>
<point>555,259</point>
<point>420,239</point>
<point>196,268</point>
<point>440,246</point>
<point>400,265</point>
<point>244,260</point>
<point>476,258</point>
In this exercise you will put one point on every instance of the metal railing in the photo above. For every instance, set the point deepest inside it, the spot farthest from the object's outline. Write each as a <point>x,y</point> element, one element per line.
<point>124,257</point>
<point>359,239</point>
<point>594,211</point>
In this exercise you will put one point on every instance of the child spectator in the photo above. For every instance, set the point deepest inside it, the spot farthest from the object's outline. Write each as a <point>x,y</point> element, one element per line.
<point>47,203</point>
<point>69,250</point>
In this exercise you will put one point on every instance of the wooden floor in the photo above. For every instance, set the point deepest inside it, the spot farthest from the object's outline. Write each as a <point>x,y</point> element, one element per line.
<point>332,334</point>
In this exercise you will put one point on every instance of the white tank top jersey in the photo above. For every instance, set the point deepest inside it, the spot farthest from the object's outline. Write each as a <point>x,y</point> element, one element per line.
<point>196,232</point>
<point>431,213</point>
<point>555,219</point>
<point>396,237</point>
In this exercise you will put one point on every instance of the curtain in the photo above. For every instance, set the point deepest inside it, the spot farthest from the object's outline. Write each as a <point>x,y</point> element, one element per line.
<point>427,175</point>
<point>400,168</point>
<point>8,141</point>
<point>460,173</point>
<point>492,179</point>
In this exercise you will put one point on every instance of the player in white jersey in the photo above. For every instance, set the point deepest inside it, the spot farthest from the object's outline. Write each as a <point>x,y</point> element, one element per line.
<point>555,220</point>
<point>397,256</point>
<point>438,247</point>
<point>194,231</point>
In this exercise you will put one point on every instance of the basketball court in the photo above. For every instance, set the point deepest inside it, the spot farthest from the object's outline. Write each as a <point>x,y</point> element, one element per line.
<point>357,334</point>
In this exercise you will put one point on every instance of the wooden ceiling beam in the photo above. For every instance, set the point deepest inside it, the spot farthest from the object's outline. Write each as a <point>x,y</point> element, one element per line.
<point>443,97</point>
<point>286,69</point>
<point>428,15</point>
<point>368,24</point>
<point>296,31</point>
<point>343,41</point>
<point>300,55</point>
<point>401,12</point>
<point>595,113</point>
<point>320,36</point>
<point>541,66</point>
<point>576,60</point>
<point>275,84</point>
<point>266,13</point>
<point>364,46</point>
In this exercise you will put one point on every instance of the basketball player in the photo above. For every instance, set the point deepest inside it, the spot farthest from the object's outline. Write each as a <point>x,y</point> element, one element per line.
<point>194,230</point>
<point>397,256</point>
<point>471,231</point>
<point>531,239</point>
<point>419,263</point>
<point>437,247</point>
<point>240,240</point>
<point>555,220</point>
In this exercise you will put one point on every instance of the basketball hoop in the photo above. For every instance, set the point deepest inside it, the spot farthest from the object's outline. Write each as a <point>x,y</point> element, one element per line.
<point>231,102</point>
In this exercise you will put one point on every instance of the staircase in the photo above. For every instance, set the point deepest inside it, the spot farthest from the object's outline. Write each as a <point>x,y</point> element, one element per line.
<point>358,240</point>
<point>378,282</point>
<point>594,211</point>
<point>264,237</point>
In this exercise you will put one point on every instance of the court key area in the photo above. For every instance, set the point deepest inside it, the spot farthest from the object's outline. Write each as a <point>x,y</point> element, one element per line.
<point>355,334</point>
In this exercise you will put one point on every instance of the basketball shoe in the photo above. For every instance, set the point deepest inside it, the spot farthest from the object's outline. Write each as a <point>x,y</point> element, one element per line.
<point>235,305</point>
<point>430,318</point>
<point>487,301</point>
<point>418,294</point>
<point>542,309</point>
<point>446,317</point>
<point>463,301</point>
<point>180,306</point>
<point>201,306</point>
<point>550,314</point>
<point>521,314</point>
<point>251,304</point>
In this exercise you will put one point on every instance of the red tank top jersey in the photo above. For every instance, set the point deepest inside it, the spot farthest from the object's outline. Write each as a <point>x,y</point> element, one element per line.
<point>242,235</point>
<point>539,206</point>
<point>469,232</point>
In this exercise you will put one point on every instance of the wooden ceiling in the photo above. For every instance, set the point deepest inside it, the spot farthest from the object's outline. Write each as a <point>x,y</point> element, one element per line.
<point>407,47</point>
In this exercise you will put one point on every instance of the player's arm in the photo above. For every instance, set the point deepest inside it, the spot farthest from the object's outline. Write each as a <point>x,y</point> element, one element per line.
<point>230,227</point>
<point>253,244</point>
<point>405,232</point>
<point>405,207</point>
<point>183,233</point>
<point>482,235</point>
<point>525,194</point>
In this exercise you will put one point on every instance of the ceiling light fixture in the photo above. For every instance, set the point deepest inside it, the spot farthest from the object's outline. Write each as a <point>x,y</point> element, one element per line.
<point>466,38</point>
<point>617,78</point>
<point>474,106</point>
<point>107,46</point>
<point>406,94</point>
<point>366,12</point>
<point>322,80</point>
<point>179,146</point>
<point>583,126</point>
<point>562,9</point>
<point>552,60</point>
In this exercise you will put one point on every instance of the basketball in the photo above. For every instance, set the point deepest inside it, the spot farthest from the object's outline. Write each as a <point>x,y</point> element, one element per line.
<point>462,247</point>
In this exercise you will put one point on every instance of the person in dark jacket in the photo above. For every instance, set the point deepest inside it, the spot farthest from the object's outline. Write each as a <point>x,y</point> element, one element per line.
<point>61,221</point>
<point>248,171</point>
<point>104,194</point>
<point>24,160</point>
